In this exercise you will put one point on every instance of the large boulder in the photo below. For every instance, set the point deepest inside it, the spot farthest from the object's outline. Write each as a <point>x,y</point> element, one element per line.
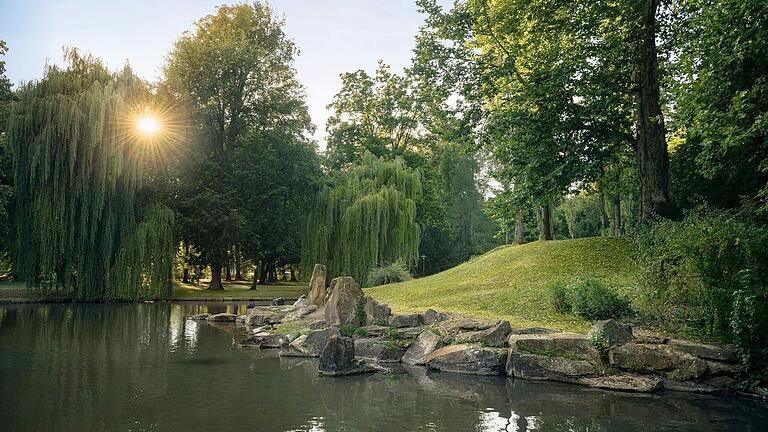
<point>261,316</point>
<point>573,346</point>
<point>222,317</point>
<point>301,301</point>
<point>379,349</point>
<point>338,358</point>
<point>294,348</point>
<point>299,313</point>
<point>265,340</point>
<point>405,320</point>
<point>468,359</point>
<point>432,316</point>
<point>343,306</point>
<point>316,340</point>
<point>375,312</point>
<point>545,367</point>
<point>317,285</point>
<point>317,325</point>
<point>494,336</point>
<point>425,345</point>
<point>661,359</point>
<point>625,382</point>
<point>612,332</point>
<point>199,317</point>
<point>712,352</point>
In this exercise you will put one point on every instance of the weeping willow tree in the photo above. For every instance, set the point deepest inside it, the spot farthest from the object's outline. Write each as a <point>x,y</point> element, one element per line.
<point>81,227</point>
<point>367,218</point>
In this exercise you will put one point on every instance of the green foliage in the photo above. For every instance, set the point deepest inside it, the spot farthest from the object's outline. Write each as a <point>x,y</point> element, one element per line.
<point>78,175</point>
<point>6,166</point>
<point>392,334</point>
<point>347,330</point>
<point>360,332</point>
<point>708,276</point>
<point>559,297</point>
<point>366,217</point>
<point>598,340</point>
<point>594,300</point>
<point>389,273</point>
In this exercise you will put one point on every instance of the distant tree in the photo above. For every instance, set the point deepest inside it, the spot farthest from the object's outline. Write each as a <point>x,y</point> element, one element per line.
<point>6,162</point>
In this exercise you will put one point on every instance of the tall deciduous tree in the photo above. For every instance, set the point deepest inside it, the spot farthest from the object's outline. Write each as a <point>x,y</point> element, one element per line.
<point>6,162</point>
<point>229,72</point>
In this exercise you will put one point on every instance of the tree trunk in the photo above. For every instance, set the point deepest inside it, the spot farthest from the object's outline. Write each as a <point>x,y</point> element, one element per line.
<point>546,222</point>
<point>255,280</point>
<point>229,270</point>
<point>293,275</point>
<point>618,230</point>
<point>238,273</point>
<point>519,228</point>
<point>652,156</point>
<point>185,275</point>
<point>216,278</point>
<point>603,214</point>
<point>262,273</point>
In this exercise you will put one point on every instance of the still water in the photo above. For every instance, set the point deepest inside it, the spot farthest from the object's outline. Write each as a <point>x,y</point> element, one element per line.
<point>143,367</point>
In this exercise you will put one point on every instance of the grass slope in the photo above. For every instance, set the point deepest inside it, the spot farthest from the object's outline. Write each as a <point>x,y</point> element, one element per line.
<point>510,282</point>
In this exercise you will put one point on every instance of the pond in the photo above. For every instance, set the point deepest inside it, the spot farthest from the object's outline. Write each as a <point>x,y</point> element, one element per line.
<point>144,367</point>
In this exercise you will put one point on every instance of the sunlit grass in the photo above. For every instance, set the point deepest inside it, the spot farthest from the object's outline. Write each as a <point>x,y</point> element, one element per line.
<point>511,282</point>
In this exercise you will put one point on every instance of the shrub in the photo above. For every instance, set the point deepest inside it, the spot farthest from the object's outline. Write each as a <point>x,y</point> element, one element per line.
<point>707,275</point>
<point>389,273</point>
<point>559,298</point>
<point>593,300</point>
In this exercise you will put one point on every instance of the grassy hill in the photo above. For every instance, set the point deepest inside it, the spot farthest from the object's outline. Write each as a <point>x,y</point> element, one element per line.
<point>510,282</point>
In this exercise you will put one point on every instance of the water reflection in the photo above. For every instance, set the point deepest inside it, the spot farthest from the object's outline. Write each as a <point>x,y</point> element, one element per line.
<point>146,367</point>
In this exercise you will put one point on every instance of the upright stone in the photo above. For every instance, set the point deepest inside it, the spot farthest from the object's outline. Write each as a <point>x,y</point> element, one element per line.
<point>344,303</point>
<point>338,356</point>
<point>317,285</point>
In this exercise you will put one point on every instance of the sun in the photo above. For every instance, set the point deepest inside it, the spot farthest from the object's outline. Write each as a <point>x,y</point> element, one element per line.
<point>148,125</point>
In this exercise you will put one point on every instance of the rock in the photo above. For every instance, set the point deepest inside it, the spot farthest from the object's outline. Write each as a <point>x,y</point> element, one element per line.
<point>278,301</point>
<point>494,336</point>
<point>199,317</point>
<point>718,368</point>
<point>375,312</point>
<point>409,332</point>
<point>317,325</point>
<point>317,285</point>
<point>712,352</point>
<point>301,301</point>
<point>261,329</point>
<point>317,339</point>
<point>472,324</point>
<point>259,316</point>
<point>534,330</point>
<point>573,346</point>
<point>374,330</point>
<point>542,367</point>
<point>613,332</point>
<point>380,350</point>
<point>662,359</point>
<point>468,359</point>
<point>432,316</point>
<point>266,340</point>
<point>222,317</point>
<point>625,382</point>
<point>294,348</point>
<point>299,313</point>
<point>406,320</point>
<point>329,291</point>
<point>343,304</point>
<point>690,386</point>
<point>651,340</point>
<point>338,358</point>
<point>425,345</point>
<point>241,318</point>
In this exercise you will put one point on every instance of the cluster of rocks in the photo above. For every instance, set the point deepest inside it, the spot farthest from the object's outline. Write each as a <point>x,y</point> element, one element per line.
<point>352,333</point>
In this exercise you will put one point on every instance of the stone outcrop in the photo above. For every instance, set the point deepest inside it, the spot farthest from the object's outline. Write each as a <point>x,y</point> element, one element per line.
<point>342,307</point>
<point>301,301</point>
<point>338,358</point>
<point>222,317</point>
<point>468,359</point>
<point>572,346</point>
<point>199,317</point>
<point>405,320</point>
<point>493,336</point>
<point>425,344</point>
<point>266,340</point>
<point>316,340</point>
<point>712,352</point>
<point>665,360</point>
<point>432,316</point>
<point>375,312</point>
<point>262,316</point>
<point>317,285</point>
<point>625,382</point>
<point>299,313</point>
<point>529,366</point>
<point>379,349</point>
<point>612,332</point>
<point>317,325</point>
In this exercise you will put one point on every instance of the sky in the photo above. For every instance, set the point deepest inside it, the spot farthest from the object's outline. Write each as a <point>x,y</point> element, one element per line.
<point>334,36</point>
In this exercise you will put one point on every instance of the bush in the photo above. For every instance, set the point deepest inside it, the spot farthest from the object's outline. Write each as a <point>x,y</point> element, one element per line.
<point>390,273</point>
<point>593,300</point>
<point>707,276</point>
<point>559,298</point>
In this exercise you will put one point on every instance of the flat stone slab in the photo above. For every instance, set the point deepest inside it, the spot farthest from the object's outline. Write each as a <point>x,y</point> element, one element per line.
<point>425,344</point>
<point>665,360</point>
<point>625,382</point>
<point>222,317</point>
<point>574,346</point>
<point>468,359</point>
<point>199,317</point>
<point>712,352</point>
<point>547,368</point>
<point>379,349</point>
<point>494,336</point>
<point>406,320</point>
<point>265,340</point>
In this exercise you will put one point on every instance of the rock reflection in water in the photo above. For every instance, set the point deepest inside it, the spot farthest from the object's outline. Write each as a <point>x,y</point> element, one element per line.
<point>146,367</point>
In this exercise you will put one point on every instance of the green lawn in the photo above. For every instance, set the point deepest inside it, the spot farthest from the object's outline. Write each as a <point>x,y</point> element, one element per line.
<point>510,282</point>
<point>13,291</point>
<point>239,290</point>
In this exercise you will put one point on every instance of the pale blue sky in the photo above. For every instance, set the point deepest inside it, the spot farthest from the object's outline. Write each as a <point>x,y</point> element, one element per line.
<point>334,36</point>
